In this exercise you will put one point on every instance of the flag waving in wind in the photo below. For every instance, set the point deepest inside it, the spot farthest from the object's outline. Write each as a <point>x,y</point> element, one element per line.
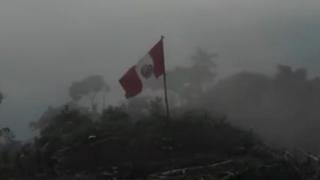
<point>151,66</point>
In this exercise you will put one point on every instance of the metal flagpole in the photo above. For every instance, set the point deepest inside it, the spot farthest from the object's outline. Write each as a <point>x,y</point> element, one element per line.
<point>165,84</point>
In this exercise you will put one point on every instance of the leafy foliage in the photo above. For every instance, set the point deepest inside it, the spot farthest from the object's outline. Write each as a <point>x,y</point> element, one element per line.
<point>190,82</point>
<point>1,97</point>
<point>88,87</point>
<point>282,108</point>
<point>73,142</point>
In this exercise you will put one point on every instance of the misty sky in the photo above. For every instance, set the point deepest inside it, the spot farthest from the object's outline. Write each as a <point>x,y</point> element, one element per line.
<point>47,44</point>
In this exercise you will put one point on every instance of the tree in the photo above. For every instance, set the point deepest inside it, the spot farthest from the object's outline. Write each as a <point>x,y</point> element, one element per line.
<point>89,87</point>
<point>190,82</point>
<point>6,135</point>
<point>1,97</point>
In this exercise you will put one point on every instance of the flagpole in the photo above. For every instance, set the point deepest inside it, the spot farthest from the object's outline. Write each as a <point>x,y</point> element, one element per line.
<point>165,85</point>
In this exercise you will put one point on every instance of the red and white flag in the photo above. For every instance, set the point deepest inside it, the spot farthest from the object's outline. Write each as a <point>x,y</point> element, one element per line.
<point>150,67</point>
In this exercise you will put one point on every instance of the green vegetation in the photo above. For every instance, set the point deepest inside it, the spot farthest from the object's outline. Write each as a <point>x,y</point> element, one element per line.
<point>191,145</point>
<point>72,142</point>
<point>136,141</point>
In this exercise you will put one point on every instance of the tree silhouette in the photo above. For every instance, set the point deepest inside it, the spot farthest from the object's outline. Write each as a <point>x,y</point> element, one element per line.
<point>89,87</point>
<point>190,82</point>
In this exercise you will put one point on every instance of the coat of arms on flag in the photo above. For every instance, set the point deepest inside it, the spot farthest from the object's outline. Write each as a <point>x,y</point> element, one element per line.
<point>151,66</point>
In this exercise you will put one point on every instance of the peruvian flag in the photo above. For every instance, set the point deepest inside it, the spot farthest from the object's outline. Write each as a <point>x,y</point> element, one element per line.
<point>150,67</point>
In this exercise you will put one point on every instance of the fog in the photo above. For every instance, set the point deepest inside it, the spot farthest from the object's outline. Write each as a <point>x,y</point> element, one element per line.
<point>46,45</point>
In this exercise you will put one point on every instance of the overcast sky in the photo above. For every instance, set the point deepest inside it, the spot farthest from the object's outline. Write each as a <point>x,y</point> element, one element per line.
<point>47,44</point>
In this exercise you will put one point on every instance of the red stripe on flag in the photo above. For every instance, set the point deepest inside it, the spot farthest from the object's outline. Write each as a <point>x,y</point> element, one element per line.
<point>131,83</point>
<point>157,54</point>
